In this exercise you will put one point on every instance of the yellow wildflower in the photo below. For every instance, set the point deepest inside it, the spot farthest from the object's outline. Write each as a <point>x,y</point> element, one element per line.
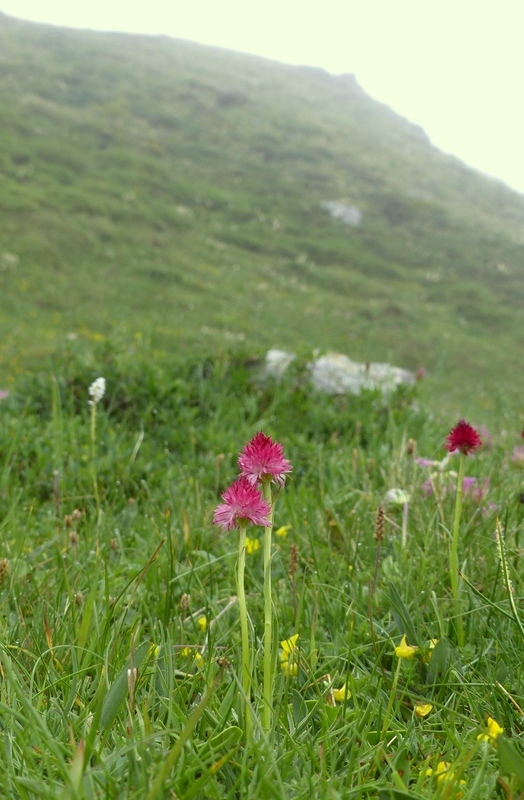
<point>342,694</point>
<point>405,650</point>
<point>187,652</point>
<point>288,656</point>
<point>282,531</point>
<point>289,668</point>
<point>202,622</point>
<point>442,772</point>
<point>288,645</point>
<point>252,545</point>
<point>429,650</point>
<point>423,709</point>
<point>199,659</point>
<point>493,731</point>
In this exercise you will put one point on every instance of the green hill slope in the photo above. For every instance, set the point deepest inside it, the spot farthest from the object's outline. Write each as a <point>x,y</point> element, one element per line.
<point>159,187</point>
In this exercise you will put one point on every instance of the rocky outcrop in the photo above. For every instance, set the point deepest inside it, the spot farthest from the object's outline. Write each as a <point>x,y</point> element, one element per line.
<point>335,373</point>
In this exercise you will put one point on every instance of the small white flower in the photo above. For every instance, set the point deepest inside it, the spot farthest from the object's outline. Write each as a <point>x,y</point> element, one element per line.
<point>97,390</point>
<point>396,497</point>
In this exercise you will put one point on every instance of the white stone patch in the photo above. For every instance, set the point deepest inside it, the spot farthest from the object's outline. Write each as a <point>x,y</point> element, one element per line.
<point>276,363</point>
<point>350,215</point>
<point>335,373</point>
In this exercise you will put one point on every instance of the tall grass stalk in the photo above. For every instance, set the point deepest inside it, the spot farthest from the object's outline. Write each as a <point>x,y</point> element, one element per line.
<point>392,695</point>
<point>246,677</point>
<point>93,455</point>
<point>268,617</point>
<point>508,585</point>
<point>453,555</point>
<point>96,392</point>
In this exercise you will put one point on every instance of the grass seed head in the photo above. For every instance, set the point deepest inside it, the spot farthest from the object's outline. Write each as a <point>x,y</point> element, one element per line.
<point>379,525</point>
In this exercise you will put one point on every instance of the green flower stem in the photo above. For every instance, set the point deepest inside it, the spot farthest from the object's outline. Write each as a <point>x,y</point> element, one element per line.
<point>405,517</point>
<point>501,547</point>
<point>453,555</point>
<point>93,452</point>
<point>268,633</point>
<point>244,628</point>
<point>393,691</point>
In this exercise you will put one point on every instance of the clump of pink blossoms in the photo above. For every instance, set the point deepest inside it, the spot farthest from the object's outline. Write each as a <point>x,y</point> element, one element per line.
<point>243,505</point>
<point>463,437</point>
<point>262,460</point>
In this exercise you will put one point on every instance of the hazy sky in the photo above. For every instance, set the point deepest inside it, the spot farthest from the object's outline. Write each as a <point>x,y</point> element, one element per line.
<point>455,67</point>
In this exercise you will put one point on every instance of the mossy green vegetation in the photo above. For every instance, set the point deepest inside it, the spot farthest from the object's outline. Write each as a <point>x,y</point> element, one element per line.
<point>160,188</point>
<point>120,644</point>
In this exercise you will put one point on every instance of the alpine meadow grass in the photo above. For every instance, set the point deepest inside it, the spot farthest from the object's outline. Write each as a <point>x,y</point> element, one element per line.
<point>121,645</point>
<point>342,620</point>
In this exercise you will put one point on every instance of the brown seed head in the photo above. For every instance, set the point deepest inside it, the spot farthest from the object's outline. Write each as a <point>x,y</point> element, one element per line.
<point>412,447</point>
<point>293,558</point>
<point>74,538</point>
<point>379,525</point>
<point>185,601</point>
<point>4,569</point>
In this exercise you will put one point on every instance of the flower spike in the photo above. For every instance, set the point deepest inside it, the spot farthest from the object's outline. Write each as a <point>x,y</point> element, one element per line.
<point>243,505</point>
<point>262,460</point>
<point>463,437</point>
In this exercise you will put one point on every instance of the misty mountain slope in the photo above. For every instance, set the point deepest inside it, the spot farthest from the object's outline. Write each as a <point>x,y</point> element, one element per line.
<point>160,187</point>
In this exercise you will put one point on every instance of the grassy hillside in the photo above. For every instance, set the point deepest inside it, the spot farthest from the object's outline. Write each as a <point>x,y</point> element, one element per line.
<point>120,646</point>
<point>159,188</point>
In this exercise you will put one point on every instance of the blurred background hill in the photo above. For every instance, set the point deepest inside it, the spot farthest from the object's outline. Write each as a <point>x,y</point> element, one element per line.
<point>210,200</point>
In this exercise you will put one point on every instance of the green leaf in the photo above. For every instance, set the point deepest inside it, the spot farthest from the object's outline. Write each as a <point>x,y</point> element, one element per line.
<point>511,760</point>
<point>197,788</point>
<point>300,709</point>
<point>374,737</point>
<point>402,616</point>
<point>397,794</point>
<point>87,616</point>
<point>226,740</point>
<point>118,692</point>
<point>441,661</point>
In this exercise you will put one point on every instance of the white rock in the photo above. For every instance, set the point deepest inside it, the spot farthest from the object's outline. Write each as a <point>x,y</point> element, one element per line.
<point>351,215</point>
<point>276,363</point>
<point>335,373</point>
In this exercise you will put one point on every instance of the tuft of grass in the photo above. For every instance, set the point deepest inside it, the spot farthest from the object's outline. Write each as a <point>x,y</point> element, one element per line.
<point>111,687</point>
<point>159,188</point>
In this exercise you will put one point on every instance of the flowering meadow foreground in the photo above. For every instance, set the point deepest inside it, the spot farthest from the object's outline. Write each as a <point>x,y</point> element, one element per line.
<point>213,588</point>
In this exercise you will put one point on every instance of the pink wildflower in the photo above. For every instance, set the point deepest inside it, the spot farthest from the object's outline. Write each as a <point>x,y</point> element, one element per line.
<point>427,487</point>
<point>468,484</point>
<point>487,437</point>
<point>518,455</point>
<point>4,394</point>
<point>426,462</point>
<point>480,490</point>
<point>477,490</point>
<point>463,437</point>
<point>243,505</point>
<point>263,460</point>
